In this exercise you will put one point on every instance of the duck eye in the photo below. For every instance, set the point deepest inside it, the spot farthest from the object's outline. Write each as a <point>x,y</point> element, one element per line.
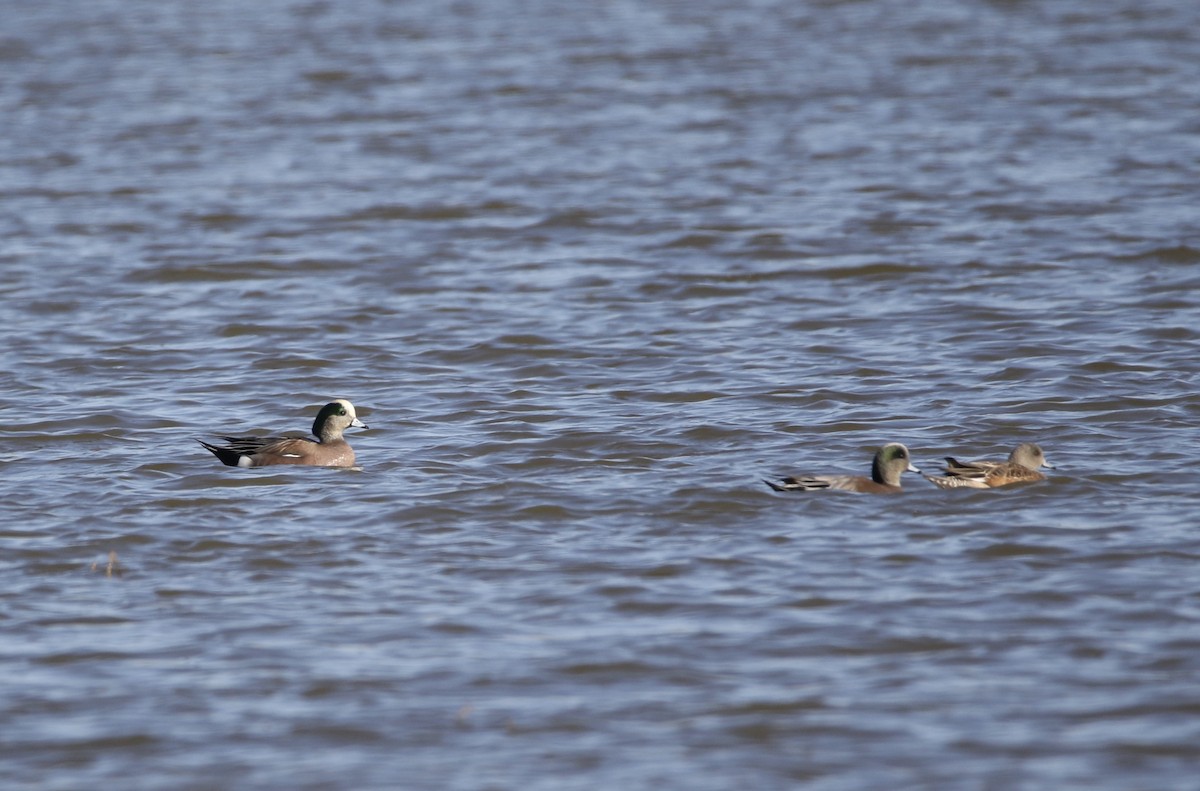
<point>341,410</point>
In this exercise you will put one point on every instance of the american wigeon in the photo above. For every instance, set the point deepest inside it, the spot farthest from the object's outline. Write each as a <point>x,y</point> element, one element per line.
<point>891,461</point>
<point>329,449</point>
<point>1022,467</point>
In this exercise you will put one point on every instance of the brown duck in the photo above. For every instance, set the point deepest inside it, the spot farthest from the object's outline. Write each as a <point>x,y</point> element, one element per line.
<point>891,461</point>
<point>1023,466</point>
<point>329,449</point>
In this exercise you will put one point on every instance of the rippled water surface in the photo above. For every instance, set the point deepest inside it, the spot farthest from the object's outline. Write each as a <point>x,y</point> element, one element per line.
<point>590,271</point>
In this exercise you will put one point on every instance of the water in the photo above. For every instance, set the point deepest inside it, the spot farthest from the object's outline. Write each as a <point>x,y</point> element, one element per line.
<point>590,271</point>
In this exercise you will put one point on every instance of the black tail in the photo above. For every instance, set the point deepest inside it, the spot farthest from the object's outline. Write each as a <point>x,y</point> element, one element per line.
<point>228,457</point>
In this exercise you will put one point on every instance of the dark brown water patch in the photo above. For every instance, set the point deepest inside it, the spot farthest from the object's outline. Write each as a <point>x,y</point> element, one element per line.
<point>1006,550</point>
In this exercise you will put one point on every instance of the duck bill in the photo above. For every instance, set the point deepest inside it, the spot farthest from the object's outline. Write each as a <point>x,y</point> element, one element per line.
<point>356,423</point>
<point>911,468</point>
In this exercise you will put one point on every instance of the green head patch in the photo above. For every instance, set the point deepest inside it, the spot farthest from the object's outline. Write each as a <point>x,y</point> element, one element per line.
<point>329,411</point>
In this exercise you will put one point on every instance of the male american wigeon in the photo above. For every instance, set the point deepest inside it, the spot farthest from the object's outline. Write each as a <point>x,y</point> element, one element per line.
<point>891,461</point>
<point>1022,467</point>
<point>329,449</point>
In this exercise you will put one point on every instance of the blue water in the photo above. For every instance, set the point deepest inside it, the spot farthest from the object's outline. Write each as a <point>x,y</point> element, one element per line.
<point>590,273</point>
